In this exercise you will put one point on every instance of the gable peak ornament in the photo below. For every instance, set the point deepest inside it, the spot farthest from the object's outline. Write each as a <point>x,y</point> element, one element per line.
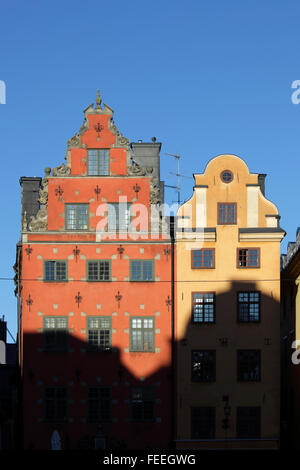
<point>98,100</point>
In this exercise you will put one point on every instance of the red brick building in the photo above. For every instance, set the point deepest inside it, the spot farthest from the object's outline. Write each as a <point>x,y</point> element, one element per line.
<point>95,295</point>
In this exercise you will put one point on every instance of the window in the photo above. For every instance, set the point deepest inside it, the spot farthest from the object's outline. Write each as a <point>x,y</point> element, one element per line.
<point>248,365</point>
<point>203,307</point>
<point>248,307</point>
<point>99,404</point>
<point>98,270</point>
<point>55,404</point>
<point>248,422</point>
<point>98,162</point>
<point>142,270</point>
<point>204,366</point>
<point>204,258</point>
<point>203,422</point>
<point>226,176</point>
<point>99,333</point>
<point>55,333</point>
<point>118,216</point>
<point>227,213</point>
<point>248,257</point>
<point>142,334</point>
<point>143,403</point>
<point>55,271</point>
<point>77,216</point>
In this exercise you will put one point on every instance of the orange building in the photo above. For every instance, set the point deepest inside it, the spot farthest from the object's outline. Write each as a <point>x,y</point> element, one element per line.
<point>228,311</point>
<point>94,287</point>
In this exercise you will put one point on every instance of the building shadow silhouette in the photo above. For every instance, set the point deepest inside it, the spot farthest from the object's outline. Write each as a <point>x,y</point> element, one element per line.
<point>174,393</point>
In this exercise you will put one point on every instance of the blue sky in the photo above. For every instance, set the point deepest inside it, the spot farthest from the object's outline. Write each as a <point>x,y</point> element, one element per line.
<point>204,77</point>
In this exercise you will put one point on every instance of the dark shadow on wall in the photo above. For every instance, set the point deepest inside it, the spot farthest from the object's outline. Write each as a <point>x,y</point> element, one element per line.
<point>77,370</point>
<point>233,331</point>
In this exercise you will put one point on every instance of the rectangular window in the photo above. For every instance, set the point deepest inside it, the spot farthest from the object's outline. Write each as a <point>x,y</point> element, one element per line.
<point>99,333</point>
<point>204,366</point>
<point>55,333</point>
<point>204,306</point>
<point>55,270</point>
<point>248,365</point>
<point>98,270</point>
<point>142,331</point>
<point>204,258</point>
<point>249,307</point>
<point>227,213</point>
<point>142,270</point>
<point>142,403</point>
<point>203,422</point>
<point>248,257</point>
<point>248,422</point>
<point>77,217</point>
<point>99,404</point>
<point>118,216</point>
<point>55,404</point>
<point>98,162</point>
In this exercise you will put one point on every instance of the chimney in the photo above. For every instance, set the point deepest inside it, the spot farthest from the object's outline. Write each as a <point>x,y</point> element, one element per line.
<point>30,196</point>
<point>261,182</point>
<point>147,154</point>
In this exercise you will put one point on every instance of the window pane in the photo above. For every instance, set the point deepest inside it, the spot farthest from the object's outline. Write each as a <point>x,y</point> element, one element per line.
<point>203,307</point>
<point>50,270</point>
<point>112,217</point>
<point>203,423</point>
<point>142,334</point>
<point>71,217</point>
<point>203,366</point>
<point>82,222</point>
<point>104,271</point>
<point>253,257</point>
<point>92,162</point>
<point>249,365</point>
<point>203,258</point>
<point>136,270</point>
<point>147,270</point>
<point>77,216</point>
<point>249,306</point>
<point>99,333</point>
<point>61,271</point>
<point>93,272</point>
<point>55,404</point>
<point>98,270</point>
<point>98,162</point>
<point>99,404</point>
<point>248,258</point>
<point>103,162</point>
<point>248,422</point>
<point>143,403</point>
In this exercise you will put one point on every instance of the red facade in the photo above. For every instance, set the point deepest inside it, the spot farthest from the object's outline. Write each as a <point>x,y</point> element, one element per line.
<point>95,293</point>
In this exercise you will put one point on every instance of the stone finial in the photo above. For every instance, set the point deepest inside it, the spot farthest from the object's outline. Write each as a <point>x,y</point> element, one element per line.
<point>24,222</point>
<point>98,100</point>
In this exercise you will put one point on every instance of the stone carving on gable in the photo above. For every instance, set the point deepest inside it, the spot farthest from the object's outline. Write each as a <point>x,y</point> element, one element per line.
<point>121,141</point>
<point>135,170</point>
<point>39,223</point>
<point>61,170</point>
<point>154,187</point>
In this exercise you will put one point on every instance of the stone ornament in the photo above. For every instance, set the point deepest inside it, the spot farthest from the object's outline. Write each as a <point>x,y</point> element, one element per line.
<point>39,223</point>
<point>136,170</point>
<point>61,170</point>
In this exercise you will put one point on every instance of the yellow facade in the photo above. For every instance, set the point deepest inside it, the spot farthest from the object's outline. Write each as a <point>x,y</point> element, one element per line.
<point>245,221</point>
